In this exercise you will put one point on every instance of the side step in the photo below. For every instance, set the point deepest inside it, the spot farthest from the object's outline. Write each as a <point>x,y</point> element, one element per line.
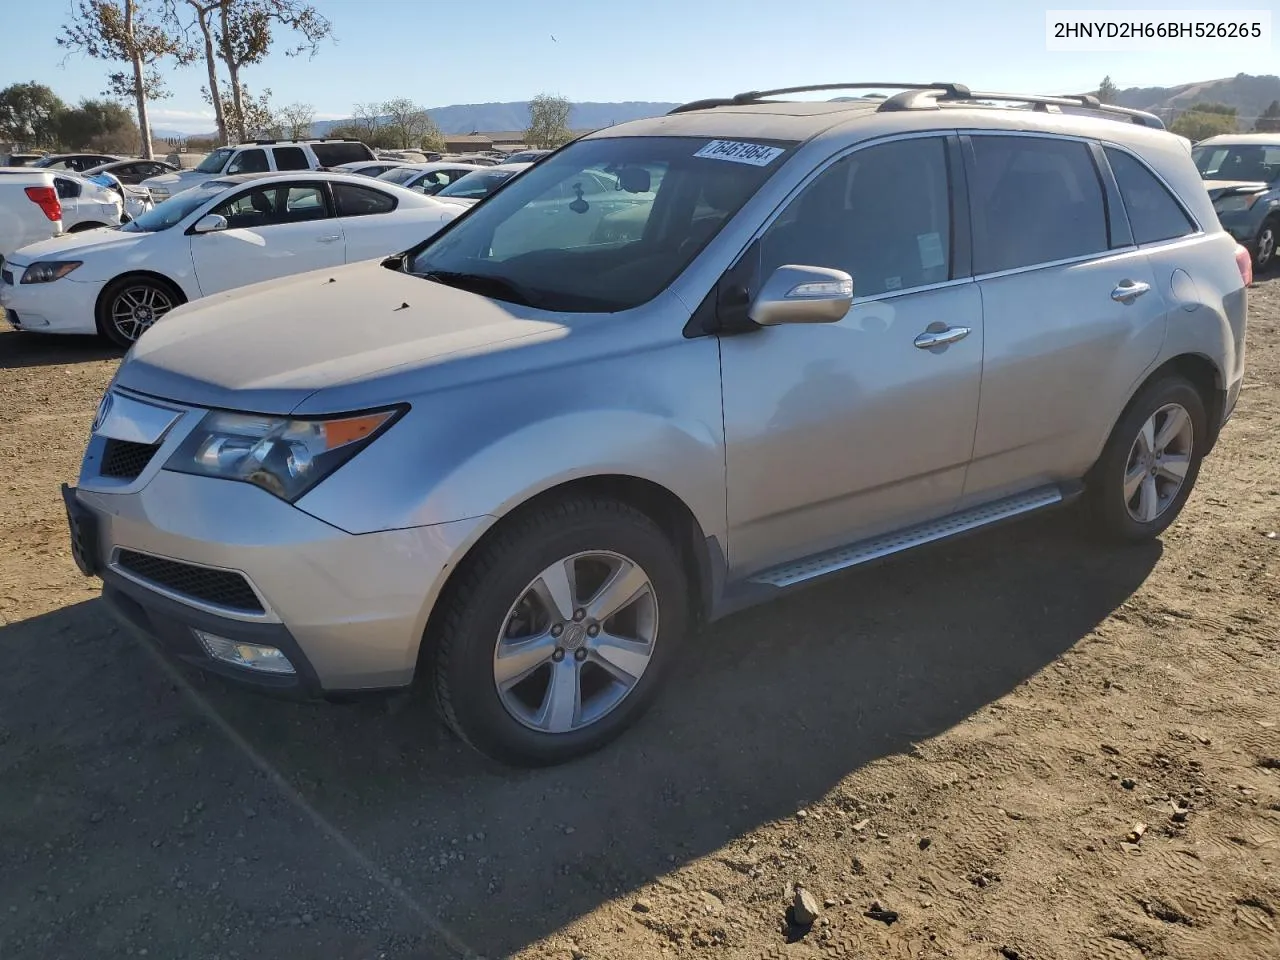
<point>842,558</point>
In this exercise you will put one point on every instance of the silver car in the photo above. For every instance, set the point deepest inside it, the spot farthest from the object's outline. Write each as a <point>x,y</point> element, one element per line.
<point>522,462</point>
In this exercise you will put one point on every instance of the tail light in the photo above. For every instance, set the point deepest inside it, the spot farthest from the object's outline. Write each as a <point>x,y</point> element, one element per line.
<point>1244,260</point>
<point>46,198</point>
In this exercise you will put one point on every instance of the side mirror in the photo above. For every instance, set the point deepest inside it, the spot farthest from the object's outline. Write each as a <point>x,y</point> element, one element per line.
<point>210,223</point>
<point>798,294</point>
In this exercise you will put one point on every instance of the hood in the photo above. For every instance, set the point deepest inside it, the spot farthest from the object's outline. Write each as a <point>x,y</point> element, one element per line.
<point>268,347</point>
<point>1220,188</point>
<point>80,244</point>
<point>173,182</point>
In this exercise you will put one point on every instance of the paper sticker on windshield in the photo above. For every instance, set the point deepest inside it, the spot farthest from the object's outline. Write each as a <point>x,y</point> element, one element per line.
<point>756,154</point>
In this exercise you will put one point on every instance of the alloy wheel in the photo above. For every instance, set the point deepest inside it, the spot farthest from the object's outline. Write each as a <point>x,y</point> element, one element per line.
<point>576,642</point>
<point>1158,463</point>
<point>1266,247</point>
<point>137,307</point>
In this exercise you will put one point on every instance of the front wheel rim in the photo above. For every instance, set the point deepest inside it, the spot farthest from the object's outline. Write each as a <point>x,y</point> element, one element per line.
<point>576,642</point>
<point>1158,463</point>
<point>136,308</point>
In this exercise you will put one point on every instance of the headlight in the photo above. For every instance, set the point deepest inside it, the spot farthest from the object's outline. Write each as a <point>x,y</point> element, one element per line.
<point>47,271</point>
<point>1236,202</point>
<point>283,456</point>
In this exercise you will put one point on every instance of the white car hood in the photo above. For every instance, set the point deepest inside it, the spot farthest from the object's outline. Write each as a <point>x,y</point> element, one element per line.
<point>173,182</point>
<point>268,347</point>
<point>77,245</point>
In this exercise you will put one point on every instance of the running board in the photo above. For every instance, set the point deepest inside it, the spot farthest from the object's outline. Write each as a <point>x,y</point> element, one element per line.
<point>887,544</point>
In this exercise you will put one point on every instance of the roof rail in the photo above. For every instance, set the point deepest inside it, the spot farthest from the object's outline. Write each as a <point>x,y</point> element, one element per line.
<point>261,143</point>
<point>755,96</point>
<point>929,99</point>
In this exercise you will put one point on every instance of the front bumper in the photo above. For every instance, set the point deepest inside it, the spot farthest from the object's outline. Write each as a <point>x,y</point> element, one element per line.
<point>347,610</point>
<point>63,306</point>
<point>1243,225</point>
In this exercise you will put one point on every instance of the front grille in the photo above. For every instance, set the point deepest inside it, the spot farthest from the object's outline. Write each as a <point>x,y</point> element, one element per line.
<point>219,587</point>
<point>125,459</point>
<point>7,276</point>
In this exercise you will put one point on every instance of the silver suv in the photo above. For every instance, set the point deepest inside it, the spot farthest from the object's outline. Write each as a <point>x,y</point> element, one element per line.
<point>524,460</point>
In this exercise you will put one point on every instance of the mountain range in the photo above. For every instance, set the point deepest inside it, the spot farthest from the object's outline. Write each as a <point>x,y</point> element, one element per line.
<point>1250,95</point>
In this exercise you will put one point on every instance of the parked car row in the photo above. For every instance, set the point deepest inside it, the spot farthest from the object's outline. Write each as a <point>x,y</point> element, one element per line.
<point>678,367</point>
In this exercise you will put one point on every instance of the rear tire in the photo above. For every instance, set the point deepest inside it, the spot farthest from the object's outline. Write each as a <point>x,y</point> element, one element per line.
<point>1264,246</point>
<point>1150,463</point>
<point>532,667</point>
<point>130,305</point>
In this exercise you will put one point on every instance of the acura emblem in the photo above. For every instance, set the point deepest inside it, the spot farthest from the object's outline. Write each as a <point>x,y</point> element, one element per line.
<point>104,408</point>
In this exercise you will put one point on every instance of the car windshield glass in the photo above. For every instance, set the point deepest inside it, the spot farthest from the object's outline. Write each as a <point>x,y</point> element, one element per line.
<point>477,184</point>
<point>601,226</point>
<point>174,210</point>
<point>215,161</point>
<point>399,174</point>
<point>1238,161</point>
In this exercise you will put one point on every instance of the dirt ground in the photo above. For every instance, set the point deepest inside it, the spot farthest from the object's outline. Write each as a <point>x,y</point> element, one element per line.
<point>1020,745</point>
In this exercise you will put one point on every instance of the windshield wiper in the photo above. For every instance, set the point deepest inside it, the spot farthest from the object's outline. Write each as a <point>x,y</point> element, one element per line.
<point>503,288</point>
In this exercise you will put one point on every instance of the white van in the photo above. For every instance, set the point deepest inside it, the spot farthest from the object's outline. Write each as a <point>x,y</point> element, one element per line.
<point>38,204</point>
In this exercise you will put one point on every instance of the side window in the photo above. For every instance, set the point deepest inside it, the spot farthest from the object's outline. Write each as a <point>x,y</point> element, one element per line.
<point>353,201</point>
<point>1153,213</point>
<point>249,161</point>
<point>882,215</point>
<point>66,189</point>
<point>290,158</point>
<point>1035,200</point>
<point>303,202</point>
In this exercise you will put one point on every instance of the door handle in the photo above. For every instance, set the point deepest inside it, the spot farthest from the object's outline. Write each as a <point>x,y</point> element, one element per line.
<point>940,338</point>
<point>328,239</point>
<point>1127,291</point>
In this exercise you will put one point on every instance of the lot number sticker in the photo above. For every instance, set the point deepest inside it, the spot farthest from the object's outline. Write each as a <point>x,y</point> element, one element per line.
<point>756,154</point>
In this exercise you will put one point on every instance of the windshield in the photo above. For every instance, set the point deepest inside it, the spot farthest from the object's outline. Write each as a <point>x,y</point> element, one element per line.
<point>477,184</point>
<point>176,209</point>
<point>603,225</point>
<point>215,161</point>
<point>399,174</point>
<point>1238,161</point>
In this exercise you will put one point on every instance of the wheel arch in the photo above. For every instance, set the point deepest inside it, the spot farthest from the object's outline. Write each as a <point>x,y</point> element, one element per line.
<point>701,556</point>
<point>1203,374</point>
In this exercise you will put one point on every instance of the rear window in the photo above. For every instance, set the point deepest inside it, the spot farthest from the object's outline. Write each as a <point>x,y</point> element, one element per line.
<point>1153,213</point>
<point>335,154</point>
<point>1035,200</point>
<point>290,158</point>
<point>353,201</point>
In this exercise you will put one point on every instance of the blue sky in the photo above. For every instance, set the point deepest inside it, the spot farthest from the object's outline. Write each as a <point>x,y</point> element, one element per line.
<point>440,53</point>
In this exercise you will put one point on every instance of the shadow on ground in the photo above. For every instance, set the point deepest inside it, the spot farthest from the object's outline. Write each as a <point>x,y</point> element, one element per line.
<point>38,350</point>
<point>126,820</point>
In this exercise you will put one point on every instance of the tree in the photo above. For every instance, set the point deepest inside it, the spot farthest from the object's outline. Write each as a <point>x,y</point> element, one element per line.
<point>203,12</point>
<point>296,120</point>
<point>1107,90</point>
<point>98,125</point>
<point>251,117</point>
<point>245,36</point>
<point>29,114</point>
<point>548,121</point>
<point>125,31</point>
<point>1202,120</point>
<point>409,125</point>
<point>366,119</point>
<point>1269,122</point>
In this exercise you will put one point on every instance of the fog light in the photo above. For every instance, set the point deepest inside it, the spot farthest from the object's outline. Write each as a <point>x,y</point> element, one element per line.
<point>249,655</point>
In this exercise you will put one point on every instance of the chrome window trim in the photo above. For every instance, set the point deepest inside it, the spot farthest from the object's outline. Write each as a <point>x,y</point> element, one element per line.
<point>1049,265</point>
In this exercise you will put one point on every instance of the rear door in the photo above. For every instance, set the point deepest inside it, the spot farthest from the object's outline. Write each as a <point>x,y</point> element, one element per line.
<point>374,225</point>
<point>1072,313</point>
<point>272,231</point>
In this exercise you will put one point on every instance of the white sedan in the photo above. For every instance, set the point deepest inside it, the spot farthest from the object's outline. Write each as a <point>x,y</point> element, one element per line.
<point>428,178</point>
<point>221,234</point>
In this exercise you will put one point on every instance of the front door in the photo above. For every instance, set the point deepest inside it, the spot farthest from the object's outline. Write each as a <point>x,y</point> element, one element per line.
<point>841,431</point>
<point>272,231</point>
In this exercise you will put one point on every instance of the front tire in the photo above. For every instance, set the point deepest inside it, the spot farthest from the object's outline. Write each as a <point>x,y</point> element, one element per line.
<point>553,638</point>
<point>1150,463</point>
<point>130,305</point>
